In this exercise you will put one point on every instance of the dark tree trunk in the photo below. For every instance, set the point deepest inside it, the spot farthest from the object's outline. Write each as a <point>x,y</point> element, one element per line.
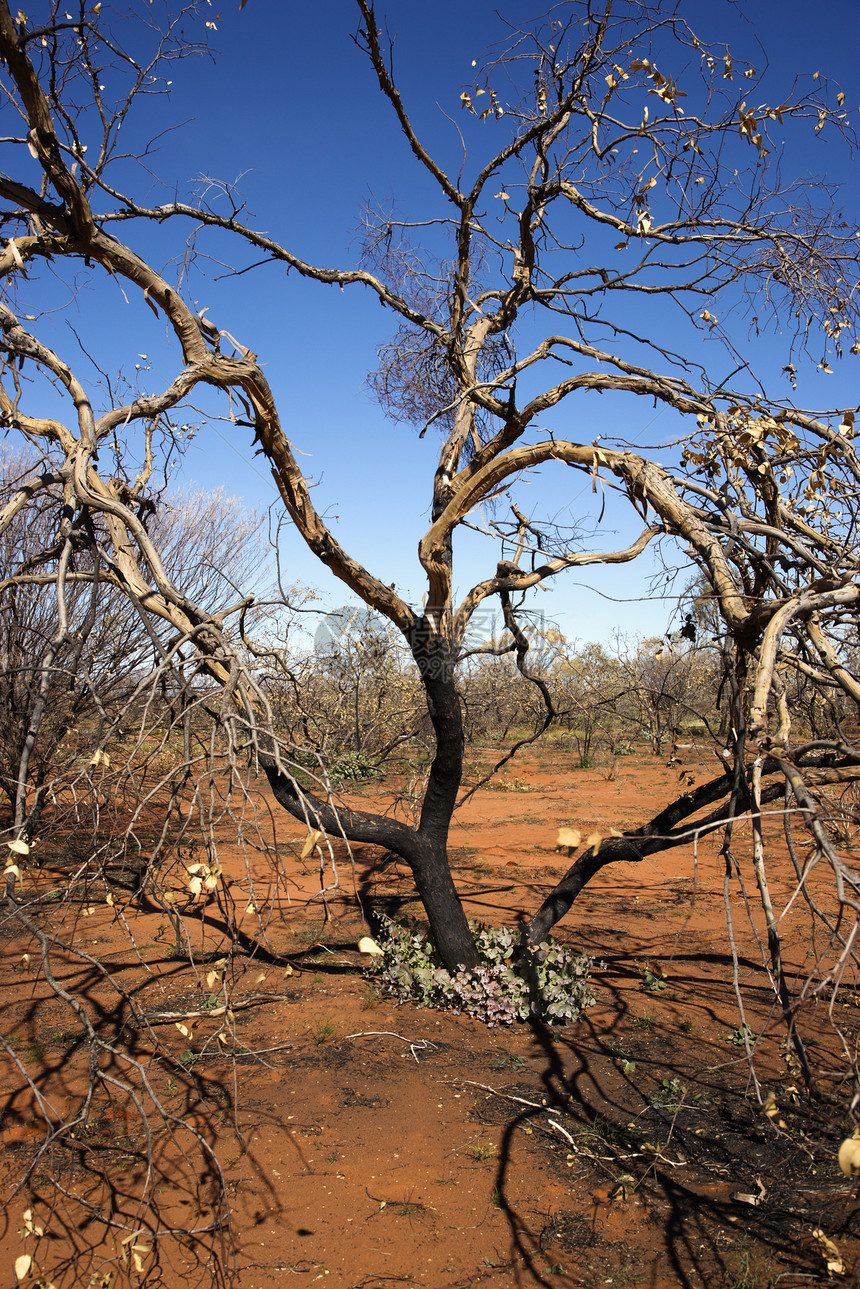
<point>660,833</point>
<point>448,923</point>
<point>425,848</point>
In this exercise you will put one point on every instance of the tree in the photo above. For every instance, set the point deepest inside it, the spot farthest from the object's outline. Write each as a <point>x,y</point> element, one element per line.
<point>667,681</point>
<point>350,702</point>
<point>74,650</point>
<point>593,687</point>
<point>622,175</point>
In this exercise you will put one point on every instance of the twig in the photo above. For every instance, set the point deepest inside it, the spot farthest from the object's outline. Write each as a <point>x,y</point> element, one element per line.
<point>422,1044</point>
<point>522,1101</point>
<point>251,1001</point>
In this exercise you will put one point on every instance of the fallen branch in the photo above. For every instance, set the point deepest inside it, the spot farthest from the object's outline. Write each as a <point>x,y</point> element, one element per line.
<point>253,1000</point>
<point>422,1044</point>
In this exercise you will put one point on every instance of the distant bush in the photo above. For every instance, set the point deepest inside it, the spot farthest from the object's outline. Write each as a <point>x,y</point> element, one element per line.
<point>311,769</point>
<point>351,767</point>
<point>548,982</point>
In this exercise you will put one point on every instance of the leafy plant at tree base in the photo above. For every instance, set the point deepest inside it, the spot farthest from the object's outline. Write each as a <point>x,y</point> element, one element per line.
<point>510,983</point>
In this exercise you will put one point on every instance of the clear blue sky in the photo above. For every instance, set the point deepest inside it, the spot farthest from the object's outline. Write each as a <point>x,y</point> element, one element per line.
<point>289,109</point>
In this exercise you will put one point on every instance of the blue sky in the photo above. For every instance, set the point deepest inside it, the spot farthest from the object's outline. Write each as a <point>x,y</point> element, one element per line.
<point>289,110</point>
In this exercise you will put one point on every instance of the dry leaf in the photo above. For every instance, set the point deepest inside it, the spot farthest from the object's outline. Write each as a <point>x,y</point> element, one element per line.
<point>30,1225</point>
<point>211,979</point>
<point>742,1197</point>
<point>310,842</point>
<point>593,840</point>
<point>19,846</point>
<point>23,1265</point>
<point>138,1253</point>
<point>849,1156</point>
<point>368,945</point>
<point>830,1253</point>
<point>568,839</point>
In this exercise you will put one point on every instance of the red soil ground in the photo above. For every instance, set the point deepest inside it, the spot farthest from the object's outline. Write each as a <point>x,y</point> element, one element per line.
<point>364,1144</point>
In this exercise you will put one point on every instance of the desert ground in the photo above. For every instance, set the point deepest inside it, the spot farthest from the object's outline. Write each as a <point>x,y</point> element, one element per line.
<point>268,1118</point>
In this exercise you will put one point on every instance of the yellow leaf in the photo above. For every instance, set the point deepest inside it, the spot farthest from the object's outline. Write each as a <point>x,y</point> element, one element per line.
<point>140,1251</point>
<point>288,971</point>
<point>109,899</point>
<point>29,1223</point>
<point>849,1156</point>
<point>593,840</point>
<point>830,1253</point>
<point>260,978</point>
<point>368,945</point>
<point>568,839</point>
<point>310,842</point>
<point>23,1265</point>
<point>12,870</point>
<point>184,1030</point>
<point>211,979</point>
<point>19,846</point>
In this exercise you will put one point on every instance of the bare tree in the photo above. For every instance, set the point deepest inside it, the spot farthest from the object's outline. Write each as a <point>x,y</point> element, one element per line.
<point>64,689</point>
<point>624,173</point>
<point>667,683</point>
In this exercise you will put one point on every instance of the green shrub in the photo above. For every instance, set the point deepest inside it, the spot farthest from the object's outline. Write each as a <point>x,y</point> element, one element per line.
<point>310,768</point>
<point>512,983</point>
<point>351,767</point>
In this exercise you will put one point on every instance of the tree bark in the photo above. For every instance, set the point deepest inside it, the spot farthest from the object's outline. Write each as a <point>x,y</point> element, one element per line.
<point>659,834</point>
<point>425,848</point>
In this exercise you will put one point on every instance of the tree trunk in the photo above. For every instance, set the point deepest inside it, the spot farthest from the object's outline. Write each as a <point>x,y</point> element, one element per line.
<point>660,833</point>
<point>448,923</point>
<point>425,848</point>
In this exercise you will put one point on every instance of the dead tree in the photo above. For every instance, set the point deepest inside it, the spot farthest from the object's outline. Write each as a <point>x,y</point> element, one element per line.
<point>623,172</point>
